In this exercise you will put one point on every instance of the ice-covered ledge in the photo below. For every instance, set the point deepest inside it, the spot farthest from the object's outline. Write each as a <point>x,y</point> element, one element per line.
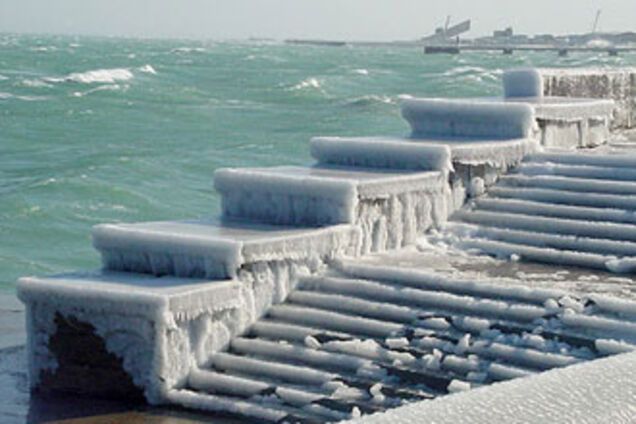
<point>618,84</point>
<point>156,329</point>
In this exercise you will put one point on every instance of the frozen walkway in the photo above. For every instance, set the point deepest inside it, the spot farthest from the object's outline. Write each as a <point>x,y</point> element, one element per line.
<point>574,209</point>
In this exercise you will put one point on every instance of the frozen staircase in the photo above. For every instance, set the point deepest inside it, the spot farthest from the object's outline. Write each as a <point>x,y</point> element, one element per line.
<point>562,208</point>
<point>344,344</point>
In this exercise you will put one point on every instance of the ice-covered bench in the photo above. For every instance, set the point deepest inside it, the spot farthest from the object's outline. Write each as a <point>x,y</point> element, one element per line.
<point>483,139</point>
<point>391,207</point>
<point>564,122</point>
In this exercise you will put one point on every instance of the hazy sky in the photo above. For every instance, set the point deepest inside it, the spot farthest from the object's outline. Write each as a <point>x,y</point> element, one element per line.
<point>332,19</point>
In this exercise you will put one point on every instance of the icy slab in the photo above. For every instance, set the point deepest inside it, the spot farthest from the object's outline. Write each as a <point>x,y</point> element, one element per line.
<point>381,152</point>
<point>390,206</point>
<point>599,391</point>
<point>213,250</point>
<point>417,153</point>
<point>566,108</point>
<point>522,82</point>
<point>149,323</point>
<point>468,118</point>
<point>600,83</point>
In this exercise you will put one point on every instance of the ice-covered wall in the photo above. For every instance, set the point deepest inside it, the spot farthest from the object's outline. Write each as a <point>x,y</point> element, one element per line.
<point>601,83</point>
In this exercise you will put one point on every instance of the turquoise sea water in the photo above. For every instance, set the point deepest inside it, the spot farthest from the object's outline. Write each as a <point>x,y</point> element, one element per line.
<point>100,130</point>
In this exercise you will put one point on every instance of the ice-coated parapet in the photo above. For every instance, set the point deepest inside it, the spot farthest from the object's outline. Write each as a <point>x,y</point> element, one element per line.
<point>599,83</point>
<point>467,119</point>
<point>522,82</point>
<point>389,206</point>
<point>158,327</point>
<point>561,395</point>
<point>381,152</point>
<point>213,250</point>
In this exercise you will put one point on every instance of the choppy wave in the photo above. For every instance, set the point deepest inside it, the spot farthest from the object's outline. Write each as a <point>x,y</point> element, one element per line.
<point>95,76</point>
<point>107,87</point>
<point>309,83</point>
<point>9,96</point>
<point>148,69</point>
<point>371,99</point>
<point>3,78</point>
<point>188,50</point>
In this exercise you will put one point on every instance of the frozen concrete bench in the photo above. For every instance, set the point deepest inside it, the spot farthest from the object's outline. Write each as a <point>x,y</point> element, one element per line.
<point>473,140</point>
<point>391,207</point>
<point>564,122</point>
<point>106,333</point>
<point>216,250</point>
<point>618,84</point>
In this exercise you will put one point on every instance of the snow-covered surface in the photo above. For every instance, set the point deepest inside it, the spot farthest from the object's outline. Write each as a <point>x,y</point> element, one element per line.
<point>381,152</point>
<point>594,392</point>
<point>159,327</point>
<point>522,82</point>
<point>600,83</point>
<point>567,108</point>
<point>468,118</point>
<point>213,249</point>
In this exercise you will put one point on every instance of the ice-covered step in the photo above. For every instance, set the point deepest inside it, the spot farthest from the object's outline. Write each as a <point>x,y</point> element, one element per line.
<point>434,153</point>
<point>565,197</point>
<point>547,255</point>
<point>328,402</point>
<point>577,171</point>
<point>385,349</point>
<point>564,226</point>
<point>214,249</point>
<point>586,159</point>
<point>390,206</point>
<point>529,207</point>
<point>556,241</point>
<point>580,185</point>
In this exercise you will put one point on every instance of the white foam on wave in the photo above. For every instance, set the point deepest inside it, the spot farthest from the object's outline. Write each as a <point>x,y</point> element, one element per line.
<point>8,96</point>
<point>104,76</point>
<point>3,78</point>
<point>188,50</point>
<point>34,83</point>
<point>361,71</point>
<point>148,69</point>
<point>371,99</point>
<point>107,87</point>
<point>309,83</point>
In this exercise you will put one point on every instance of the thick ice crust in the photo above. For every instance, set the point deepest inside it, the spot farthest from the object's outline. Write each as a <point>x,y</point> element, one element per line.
<point>601,83</point>
<point>522,82</point>
<point>213,250</point>
<point>150,323</point>
<point>380,152</point>
<point>295,195</point>
<point>599,391</point>
<point>467,119</point>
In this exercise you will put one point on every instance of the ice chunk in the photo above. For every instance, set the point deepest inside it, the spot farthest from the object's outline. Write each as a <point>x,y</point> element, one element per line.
<point>381,152</point>
<point>522,82</point>
<point>468,119</point>
<point>214,250</point>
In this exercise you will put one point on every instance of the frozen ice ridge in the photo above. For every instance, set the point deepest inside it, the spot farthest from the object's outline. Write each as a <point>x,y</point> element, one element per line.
<point>289,308</point>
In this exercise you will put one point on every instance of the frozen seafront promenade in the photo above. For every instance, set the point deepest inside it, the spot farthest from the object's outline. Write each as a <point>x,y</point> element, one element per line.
<point>357,285</point>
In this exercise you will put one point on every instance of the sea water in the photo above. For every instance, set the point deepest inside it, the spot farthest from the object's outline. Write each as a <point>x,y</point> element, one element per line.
<point>99,130</point>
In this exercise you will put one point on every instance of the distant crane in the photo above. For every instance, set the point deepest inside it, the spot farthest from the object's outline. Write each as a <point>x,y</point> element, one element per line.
<point>595,26</point>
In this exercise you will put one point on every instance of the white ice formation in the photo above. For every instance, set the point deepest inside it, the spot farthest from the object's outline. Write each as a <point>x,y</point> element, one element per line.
<point>268,315</point>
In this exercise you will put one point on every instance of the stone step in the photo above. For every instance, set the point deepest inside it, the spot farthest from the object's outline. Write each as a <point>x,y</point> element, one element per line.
<point>574,227</point>
<point>577,171</point>
<point>390,206</point>
<point>592,159</point>
<point>529,207</point>
<point>557,241</point>
<point>214,249</point>
<point>565,197</point>
<point>578,185</point>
